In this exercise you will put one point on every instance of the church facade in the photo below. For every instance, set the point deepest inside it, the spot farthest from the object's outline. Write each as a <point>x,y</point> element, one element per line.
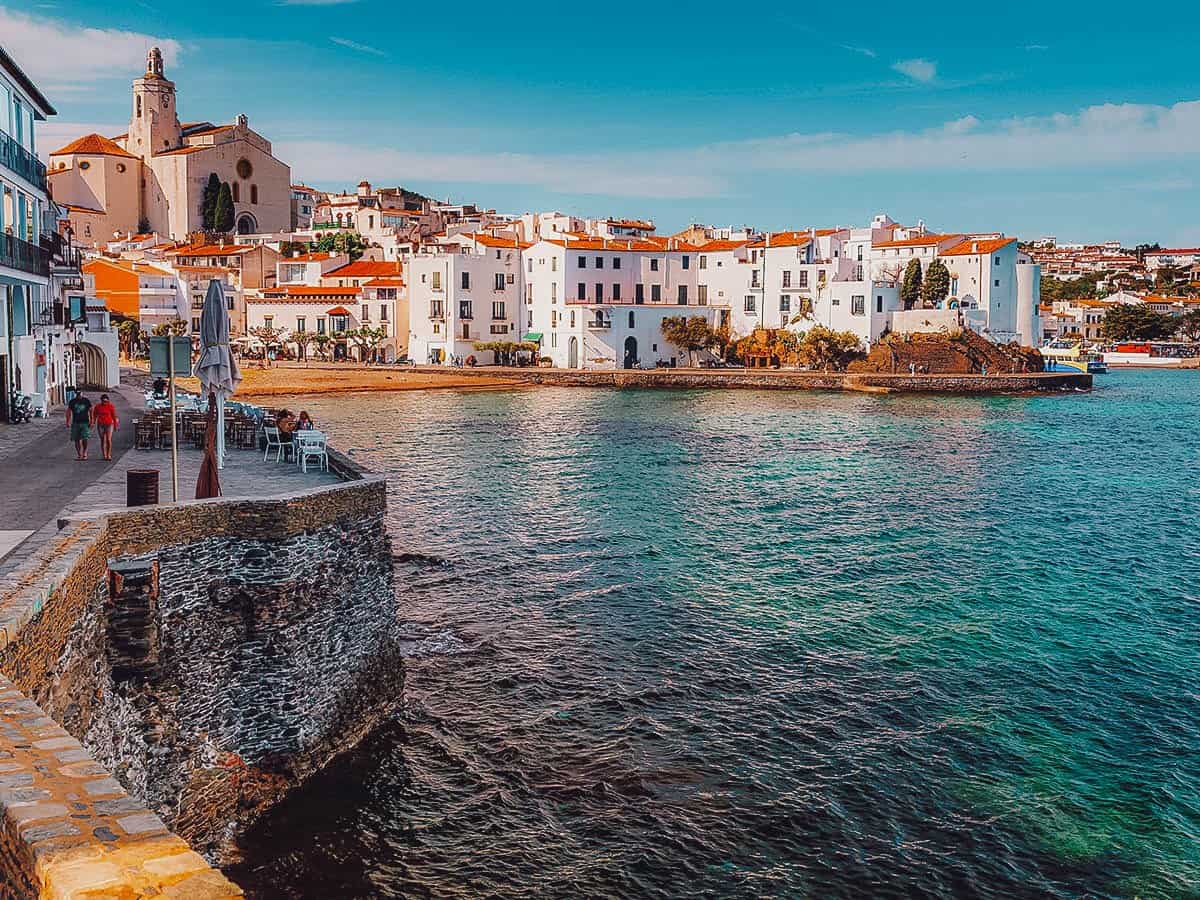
<point>154,175</point>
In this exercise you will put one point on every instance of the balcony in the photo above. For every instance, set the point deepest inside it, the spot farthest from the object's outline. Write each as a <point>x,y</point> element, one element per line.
<point>17,159</point>
<point>47,312</point>
<point>599,324</point>
<point>24,256</point>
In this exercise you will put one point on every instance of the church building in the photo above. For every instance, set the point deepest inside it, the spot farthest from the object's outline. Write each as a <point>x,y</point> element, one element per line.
<point>152,178</point>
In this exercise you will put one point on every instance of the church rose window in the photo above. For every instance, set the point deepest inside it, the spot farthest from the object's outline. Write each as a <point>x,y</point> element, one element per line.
<point>244,169</point>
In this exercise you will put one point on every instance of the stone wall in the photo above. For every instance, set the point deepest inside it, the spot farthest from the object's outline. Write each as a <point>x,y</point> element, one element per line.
<point>242,645</point>
<point>957,352</point>
<point>789,380</point>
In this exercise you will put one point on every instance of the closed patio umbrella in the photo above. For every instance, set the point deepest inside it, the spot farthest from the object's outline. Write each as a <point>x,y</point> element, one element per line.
<point>208,484</point>
<point>216,368</point>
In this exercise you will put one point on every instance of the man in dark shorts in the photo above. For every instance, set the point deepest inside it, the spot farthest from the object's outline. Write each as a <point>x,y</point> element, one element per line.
<point>79,419</point>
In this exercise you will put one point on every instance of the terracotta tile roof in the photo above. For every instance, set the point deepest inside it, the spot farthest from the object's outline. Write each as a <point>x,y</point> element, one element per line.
<point>215,129</point>
<point>70,207</point>
<point>384,282</point>
<point>786,239</point>
<point>490,240</point>
<point>632,223</point>
<point>925,240</point>
<point>214,250</point>
<point>338,311</point>
<point>94,145</point>
<point>1172,252</point>
<point>719,245</point>
<point>183,151</point>
<point>308,257</point>
<point>616,245</point>
<point>306,294</point>
<point>365,268</point>
<point>972,246</point>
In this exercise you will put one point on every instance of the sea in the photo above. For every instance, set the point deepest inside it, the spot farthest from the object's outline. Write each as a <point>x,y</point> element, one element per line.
<point>740,644</point>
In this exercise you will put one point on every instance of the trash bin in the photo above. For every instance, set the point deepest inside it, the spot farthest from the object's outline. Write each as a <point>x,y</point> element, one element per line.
<point>141,487</point>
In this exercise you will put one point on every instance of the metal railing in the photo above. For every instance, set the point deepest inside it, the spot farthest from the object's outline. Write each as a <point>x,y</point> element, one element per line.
<point>47,312</point>
<point>18,254</point>
<point>17,159</point>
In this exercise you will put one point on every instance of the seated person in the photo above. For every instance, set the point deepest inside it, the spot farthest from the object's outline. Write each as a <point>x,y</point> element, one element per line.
<point>305,423</point>
<point>286,425</point>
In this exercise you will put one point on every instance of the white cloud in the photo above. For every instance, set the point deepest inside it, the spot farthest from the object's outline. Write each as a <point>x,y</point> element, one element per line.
<point>645,176</point>
<point>53,134</point>
<point>865,51</point>
<point>53,52</point>
<point>354,45</point>
<point>1106,135</point>
<point>1036,47</point>
<point>917,69</point>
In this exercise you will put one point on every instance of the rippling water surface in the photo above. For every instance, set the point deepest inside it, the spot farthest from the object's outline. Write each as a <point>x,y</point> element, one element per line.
<point>734,644</point>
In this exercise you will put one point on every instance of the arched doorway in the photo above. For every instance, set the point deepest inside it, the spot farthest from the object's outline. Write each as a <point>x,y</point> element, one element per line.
<point>91,367</point>
<point>246,224</point>
<point>631,356</point>
<point>573,353</point>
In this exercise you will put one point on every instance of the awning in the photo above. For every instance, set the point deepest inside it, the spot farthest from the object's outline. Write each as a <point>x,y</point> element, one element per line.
<point>533,337</point>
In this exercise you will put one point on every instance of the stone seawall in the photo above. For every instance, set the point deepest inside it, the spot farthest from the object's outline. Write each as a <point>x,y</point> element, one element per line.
<point>785,380</point>
<point>209,655</point>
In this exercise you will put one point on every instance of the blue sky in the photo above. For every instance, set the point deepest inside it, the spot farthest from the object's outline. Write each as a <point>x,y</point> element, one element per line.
<point>1080,120</point>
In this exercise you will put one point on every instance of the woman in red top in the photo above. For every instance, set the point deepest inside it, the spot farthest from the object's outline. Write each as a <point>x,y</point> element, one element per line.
<point>104,417</point>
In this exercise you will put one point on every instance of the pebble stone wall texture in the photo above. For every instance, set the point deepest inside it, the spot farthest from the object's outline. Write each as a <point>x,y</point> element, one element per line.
<point>272,649</point>
<point>785,380</point>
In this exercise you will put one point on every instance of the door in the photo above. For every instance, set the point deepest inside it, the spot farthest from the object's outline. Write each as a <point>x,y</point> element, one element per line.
<point>631,356</point>
<point>573,353</point>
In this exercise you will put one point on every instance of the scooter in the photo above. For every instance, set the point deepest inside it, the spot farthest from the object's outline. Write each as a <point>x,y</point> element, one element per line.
<point>20,408</point>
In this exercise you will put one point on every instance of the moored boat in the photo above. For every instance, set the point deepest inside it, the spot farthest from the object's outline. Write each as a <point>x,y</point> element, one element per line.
<point>1071,356</point>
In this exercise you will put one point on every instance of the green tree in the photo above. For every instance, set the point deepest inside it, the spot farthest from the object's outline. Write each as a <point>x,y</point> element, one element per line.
<point>1137,322</point>
<point>321,342</point>
<point>1068,289</point>
<point>366,339</point>
<point>936,285</point>
<point>910,288</point>
<point>689,334</point>
<point>823,348</point>
<point>223,212</point>
<point>349,242</point>
<point>143,225</point>
<point>208,202</point>
<point>1189,325</point>
<point>176,327</point>
<point>303,340</point>
<point>1166,277</point>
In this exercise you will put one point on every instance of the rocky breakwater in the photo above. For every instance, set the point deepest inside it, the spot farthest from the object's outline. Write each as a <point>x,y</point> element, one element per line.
<point>212,655</point>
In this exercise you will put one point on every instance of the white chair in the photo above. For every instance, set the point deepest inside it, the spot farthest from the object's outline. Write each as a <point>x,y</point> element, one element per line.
<point>274,443</point>
<point>311,446</point>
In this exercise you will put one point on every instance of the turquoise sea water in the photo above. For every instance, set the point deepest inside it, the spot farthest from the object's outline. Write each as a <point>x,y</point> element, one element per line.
<point>734,644</point>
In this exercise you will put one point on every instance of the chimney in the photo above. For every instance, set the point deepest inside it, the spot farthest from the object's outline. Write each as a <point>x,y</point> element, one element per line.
<point>974,246</point>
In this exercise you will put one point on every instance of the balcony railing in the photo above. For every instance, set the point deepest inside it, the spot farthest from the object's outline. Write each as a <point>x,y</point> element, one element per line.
<point>18,254</point>
<point>47,312</point>
<point>17,159</point>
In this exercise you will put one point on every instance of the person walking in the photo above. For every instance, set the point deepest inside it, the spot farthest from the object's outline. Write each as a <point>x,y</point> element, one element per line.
<point>105,420</point>
<point>79,420</point>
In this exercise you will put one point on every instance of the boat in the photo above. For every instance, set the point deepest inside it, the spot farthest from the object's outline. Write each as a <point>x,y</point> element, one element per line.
<point>1154,354</point>
<point>1063,355</point>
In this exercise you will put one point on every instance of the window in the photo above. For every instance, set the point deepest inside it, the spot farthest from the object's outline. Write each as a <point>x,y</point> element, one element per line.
<point>84,164</point>
<point>383,312</point>
<point>599,292</point>
<point>997,261</point>
<point>466,281</point>
<point>754,278</point>
<point>631,318</point>
<point>654,265</point>
<point>785,304</point>
<point>804,278</point>
<point>498,309</point>
<point>687,261</point>
<point>436,280</point>
<point>787,278</point>
<point>464,309</point>
<point>702,294</point>
<point>858,305</point>
<point>320,324</point>
<point>639,293</point>
<point>858,273</point>
<point>268,321</point>
<point>500,281</point>
<point>820,275</point>
<point>616,292</point>
<point>511,279</point>
<point>703,261</point>
<point>436,309</point>
<point>553,264</point>
<point>616,263</point>
<point>749,303</point>
<point>655,293</point>
<point>581,291</point>
<point>681,298</point>
<point>299,323</point>
<point>366,312</point>
<point>996,283</point>
<point>860,246</point>
<point>879,303</point>
<point>554,292</point>
<point>236,192</point>
<point>599,262</point>
<point>195,325</point>
<point>254,199</point>
<point>583,262</point>
<point>835,301</point>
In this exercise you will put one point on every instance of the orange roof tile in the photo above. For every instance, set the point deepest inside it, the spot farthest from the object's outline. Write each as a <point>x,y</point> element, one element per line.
<point>384,282</point>
<point>214,250</point>
<point>490,240</point>
<point>365,268</point>
<point>82,209</point>
<point>972,246</point>
<point>95,145</point>
<point>308,257</point>
<point>925,240</point>
<point>719,245</point>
